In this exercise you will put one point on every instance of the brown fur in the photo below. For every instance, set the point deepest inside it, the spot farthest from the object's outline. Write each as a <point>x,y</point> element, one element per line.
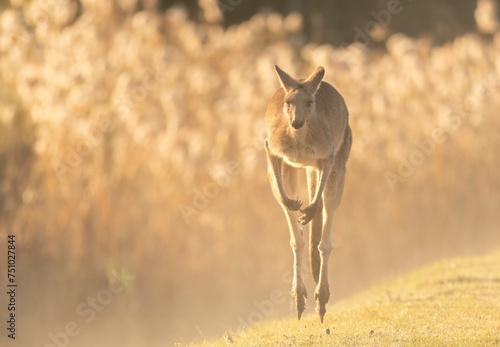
<point>307,126</point>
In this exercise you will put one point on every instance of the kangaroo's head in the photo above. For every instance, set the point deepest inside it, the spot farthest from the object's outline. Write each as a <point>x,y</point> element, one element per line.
<point>299,102</point>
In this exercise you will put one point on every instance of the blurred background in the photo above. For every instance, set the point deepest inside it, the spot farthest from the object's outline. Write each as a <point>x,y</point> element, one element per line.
<point>132,169</point>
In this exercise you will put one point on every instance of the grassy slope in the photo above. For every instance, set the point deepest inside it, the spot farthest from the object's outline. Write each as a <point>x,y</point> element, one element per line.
<point>450,303</point>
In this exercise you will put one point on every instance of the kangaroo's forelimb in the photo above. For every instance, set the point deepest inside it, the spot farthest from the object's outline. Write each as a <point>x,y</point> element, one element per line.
<point>324,168</point>
<point>274,169</point>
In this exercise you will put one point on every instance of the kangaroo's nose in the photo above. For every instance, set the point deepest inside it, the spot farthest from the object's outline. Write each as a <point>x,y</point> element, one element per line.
<point>297,124</point>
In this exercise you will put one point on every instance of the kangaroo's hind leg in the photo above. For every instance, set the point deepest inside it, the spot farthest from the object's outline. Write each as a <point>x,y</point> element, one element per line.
<point>290,176</point>
<point>331,200</point>
<point>316,225</point>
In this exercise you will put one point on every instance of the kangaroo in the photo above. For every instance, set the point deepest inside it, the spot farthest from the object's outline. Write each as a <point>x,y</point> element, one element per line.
<point>307,126</point>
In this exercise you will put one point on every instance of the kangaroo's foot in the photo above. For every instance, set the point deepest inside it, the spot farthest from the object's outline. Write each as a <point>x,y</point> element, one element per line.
<point>300,294</point>
<point>321,295</point>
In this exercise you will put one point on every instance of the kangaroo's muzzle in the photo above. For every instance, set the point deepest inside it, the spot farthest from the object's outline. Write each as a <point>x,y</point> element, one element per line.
<point>296,124</point>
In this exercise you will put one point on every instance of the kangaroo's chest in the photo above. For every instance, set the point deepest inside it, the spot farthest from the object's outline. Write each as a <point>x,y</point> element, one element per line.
<point>297,155</point>
<point>303,150</point>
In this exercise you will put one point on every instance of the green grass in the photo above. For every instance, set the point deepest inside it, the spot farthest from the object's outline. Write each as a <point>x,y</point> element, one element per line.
<point>454,302</point>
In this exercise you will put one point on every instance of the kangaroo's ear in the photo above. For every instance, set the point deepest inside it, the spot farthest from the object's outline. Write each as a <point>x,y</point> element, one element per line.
<point>286,81</point>
<point>311,84</point>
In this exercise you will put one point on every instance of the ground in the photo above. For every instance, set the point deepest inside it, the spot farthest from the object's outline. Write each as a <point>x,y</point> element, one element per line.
<point>454,302</point>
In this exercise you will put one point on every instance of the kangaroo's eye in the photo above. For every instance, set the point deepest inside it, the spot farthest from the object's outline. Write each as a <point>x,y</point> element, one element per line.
<point>309,104</point>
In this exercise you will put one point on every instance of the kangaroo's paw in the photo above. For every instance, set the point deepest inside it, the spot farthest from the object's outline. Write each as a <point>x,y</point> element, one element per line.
<point>300,294</point>
<point>292,204</point>
<point>321,295</point>
<point>307,214</point>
